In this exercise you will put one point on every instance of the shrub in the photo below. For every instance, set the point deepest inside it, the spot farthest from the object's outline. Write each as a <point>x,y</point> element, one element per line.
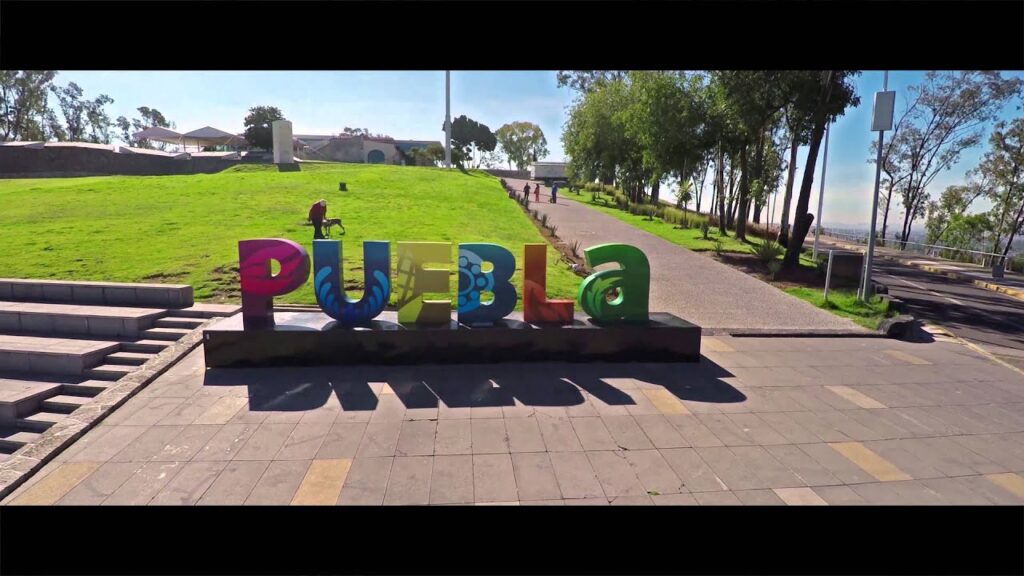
<point>575,248</point>
<point>649,211</point>
<point>705,228</point>
<point>593,187</point>
<point>718,247</point>
<point>774,266</point>
<point>768,251</point>
<point>544,219</point>
<point>621,200</point>
<point>554,229</point>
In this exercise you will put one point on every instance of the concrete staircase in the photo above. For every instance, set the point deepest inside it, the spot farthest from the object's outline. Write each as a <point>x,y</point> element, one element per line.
<point>63,343</point>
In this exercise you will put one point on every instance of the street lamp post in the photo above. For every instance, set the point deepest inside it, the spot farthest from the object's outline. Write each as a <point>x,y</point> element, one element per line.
<point>881,121</point>
<point>447,118</point>
<point>821,195</point>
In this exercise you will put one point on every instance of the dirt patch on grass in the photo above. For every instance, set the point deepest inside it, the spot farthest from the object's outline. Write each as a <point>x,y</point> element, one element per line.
<point>168,278</point>
<point>803,277</point>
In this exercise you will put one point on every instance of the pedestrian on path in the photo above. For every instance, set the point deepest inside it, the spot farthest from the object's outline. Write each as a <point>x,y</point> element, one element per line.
<point>554,194</point>
<point>526,192</point>
<point>536,193</point>
<point>317,213</point>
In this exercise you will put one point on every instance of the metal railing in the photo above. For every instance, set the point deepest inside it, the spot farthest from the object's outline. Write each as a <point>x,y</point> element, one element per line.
<point>978,257</point>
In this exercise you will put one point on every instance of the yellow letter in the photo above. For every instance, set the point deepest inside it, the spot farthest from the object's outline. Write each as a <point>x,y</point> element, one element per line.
<point>415,280</point>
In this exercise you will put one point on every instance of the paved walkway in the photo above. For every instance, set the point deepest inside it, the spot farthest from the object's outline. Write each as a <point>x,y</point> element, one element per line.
<point>758,421</point>
<point>689,285</point>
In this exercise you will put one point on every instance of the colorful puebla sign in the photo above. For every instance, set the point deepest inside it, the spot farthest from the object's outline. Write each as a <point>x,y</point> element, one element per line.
<point>421,271</point>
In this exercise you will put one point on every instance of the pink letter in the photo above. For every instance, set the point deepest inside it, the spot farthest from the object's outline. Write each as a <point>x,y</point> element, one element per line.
<point>258,286</point>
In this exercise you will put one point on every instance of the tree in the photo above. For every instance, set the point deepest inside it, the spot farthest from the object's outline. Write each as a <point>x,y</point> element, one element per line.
<point>801,94</point>
<point>84,120</point>
<point>258,126</point>
<point>469,138</point>
<point>835,94</point>
<point>521,142</point>
<point>588,80</point>
<point>944,116</point>
<point>1003,165</point>
<point>148,118</point>
<point>950,211</point>
<point>24,113</point>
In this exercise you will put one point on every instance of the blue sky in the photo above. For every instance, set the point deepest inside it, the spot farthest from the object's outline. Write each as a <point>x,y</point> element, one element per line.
<point>410,105</point>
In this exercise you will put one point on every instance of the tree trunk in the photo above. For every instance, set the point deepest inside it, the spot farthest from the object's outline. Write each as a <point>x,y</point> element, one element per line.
<point>757,212</point>
<point>719,186</point>
<point>885,214</point>
<point>741,222</point>
<point>655,189</point>
<point>788,198</point>
<point>802,219</point>
<point>1013,232</point>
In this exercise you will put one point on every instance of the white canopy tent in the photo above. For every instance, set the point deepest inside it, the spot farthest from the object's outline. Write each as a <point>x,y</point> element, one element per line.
<point>206,136</point>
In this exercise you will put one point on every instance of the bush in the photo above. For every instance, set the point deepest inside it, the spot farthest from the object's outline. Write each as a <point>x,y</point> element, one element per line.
<point>719,247</point>
<point>609,189</point>
<point>621,200</point>
<point>593,187</point>
<point>768,251</point>
<point>705,228</point>
<point>544,219</point>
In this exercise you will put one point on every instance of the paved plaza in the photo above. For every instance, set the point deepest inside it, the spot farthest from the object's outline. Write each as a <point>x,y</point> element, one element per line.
<point>774,421</point>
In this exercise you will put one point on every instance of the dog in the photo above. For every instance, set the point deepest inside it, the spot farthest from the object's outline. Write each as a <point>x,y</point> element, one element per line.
<point>331,222</point>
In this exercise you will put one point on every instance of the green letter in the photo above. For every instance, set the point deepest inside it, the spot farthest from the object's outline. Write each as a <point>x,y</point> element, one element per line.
<point>633,281</point>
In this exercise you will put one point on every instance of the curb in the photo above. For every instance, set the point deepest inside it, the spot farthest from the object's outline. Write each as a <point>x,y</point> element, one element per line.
<point>27,460</point>
<point>1011,292</point>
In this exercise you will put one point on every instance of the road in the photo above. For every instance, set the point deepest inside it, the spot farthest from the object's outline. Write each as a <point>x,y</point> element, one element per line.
<point>990,320</point>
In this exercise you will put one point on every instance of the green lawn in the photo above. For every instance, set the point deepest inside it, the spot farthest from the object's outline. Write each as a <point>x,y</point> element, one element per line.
<point>844,303</point>
<point>186,228</point>
<point>688,238</point>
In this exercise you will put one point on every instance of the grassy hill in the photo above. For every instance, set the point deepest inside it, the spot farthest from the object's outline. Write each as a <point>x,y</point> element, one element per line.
<point>186,228</point>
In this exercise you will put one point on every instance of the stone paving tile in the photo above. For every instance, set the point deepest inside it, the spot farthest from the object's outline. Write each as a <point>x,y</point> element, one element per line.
<point>366,482</point>
<point>809,471</point>
<point>766,467</point>
<point>493,478</point>
<point>221,411</point>
<point>951,491</point>
<point>56,484</point>
<point>409,482</point>
<point>99,485</point>
<point>1013,483</point>
<point>524,435</point>
<point>380,439</point>
<point>627,433</point>
<point>558,502</point>
<point>535,476</point>
<point>107,445</point>
<point>145,484</point>
<point>389,408</point>
<point>451,480</point>
<point>788,428</point>
<point>595,501</point>
<point>148,444</point>
<point>726,430</point>
<point>695,474</point>
<point>754,426</point>
<point>993,447</point>
<point>187,412</point>
<point>616,476</point>
<point>342,441</point>
<point>189,485</point>
<point>717,499</point>
<point>731,469</point>
<point>838,465</point>
<point>953,458</point>
<point>416,438</point>
<point>558,434</point>
<point>799,497</point>
<point>234,484</point>
<point>848,426</point>
<point>904,459</point>
<point>126,410</point>
<point>592,433</point>
<point>654,473</point>
<point>226,442</point>
<point>871,419</point>
<point>693,431</point>
<point>906,492</point>
<point>279,483</point>
<point>488,436</point>
<point>642,500</point>
<point>758,498</point>
<point>660,431</point>
<point>839,496</point>
<point>674,500</point>
<point>870,461</point>
<point>984,487</point>
<point>454,437</point>
<point>575,475</point>
<point>304,441</point>
<point>322,483</point>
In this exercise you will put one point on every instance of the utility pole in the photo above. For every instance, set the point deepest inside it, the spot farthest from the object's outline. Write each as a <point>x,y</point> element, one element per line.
<point>448,119</point>
<point>881,121</point>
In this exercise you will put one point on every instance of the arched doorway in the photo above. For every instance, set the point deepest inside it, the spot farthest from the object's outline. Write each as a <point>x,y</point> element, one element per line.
<point>375,157</point>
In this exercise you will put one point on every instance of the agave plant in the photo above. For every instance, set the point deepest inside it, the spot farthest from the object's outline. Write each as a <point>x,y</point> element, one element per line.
<point>768,251</point>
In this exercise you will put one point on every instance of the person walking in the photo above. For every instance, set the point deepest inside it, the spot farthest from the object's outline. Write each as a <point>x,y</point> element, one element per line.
<point>536,193</point>
<point>526,192</point>
<point>554,193</point>
<point>317,213</point>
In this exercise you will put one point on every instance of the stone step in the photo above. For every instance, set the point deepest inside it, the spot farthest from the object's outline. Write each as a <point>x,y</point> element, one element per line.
<point>19,398</point>
<point>204,310</point>
<point>76,320</point>
<point>128,358</point>
<point>12,438</point>
<point>171,334</point>
<point>101,293</point>
<point>64,404</point>
<point>172,322</point>
<point>151,346</point>
<point>111,372</point>
<point>39,355</point>
<point>88,388</point>
<point>40,421</point>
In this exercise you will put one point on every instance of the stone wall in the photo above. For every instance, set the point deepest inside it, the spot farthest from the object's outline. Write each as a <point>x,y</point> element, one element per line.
<point>21,162</point>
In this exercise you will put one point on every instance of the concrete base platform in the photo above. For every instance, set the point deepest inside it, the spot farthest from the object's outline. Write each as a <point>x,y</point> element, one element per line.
<point>72,319</point>
<point>97,293</point>
<point>311,338</point>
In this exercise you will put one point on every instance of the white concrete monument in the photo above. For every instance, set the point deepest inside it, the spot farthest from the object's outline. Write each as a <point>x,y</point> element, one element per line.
<point>283,142</point>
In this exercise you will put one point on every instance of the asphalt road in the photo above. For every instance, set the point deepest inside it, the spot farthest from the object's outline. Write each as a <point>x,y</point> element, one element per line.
<point>990,320</point>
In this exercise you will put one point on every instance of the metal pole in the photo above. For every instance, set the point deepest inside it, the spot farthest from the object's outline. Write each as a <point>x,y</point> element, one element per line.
<point>821,195</point>
<point>866,284</point>
<point>447,118</point>
<point>828,273</point>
